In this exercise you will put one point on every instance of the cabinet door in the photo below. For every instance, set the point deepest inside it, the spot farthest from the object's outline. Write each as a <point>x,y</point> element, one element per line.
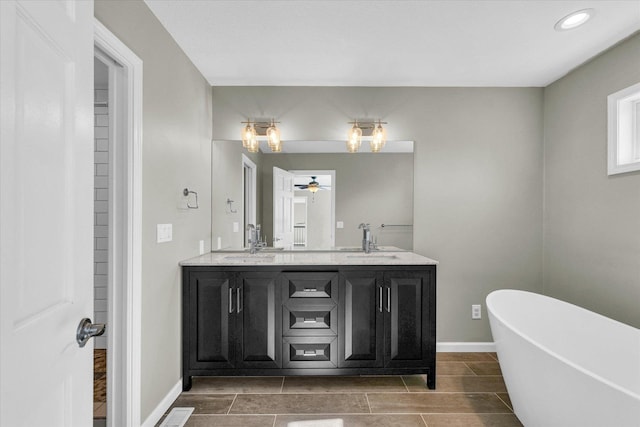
<point>407,319</point>
<point>360,317</point>
<point>210,325</point>
<point>258,320</point>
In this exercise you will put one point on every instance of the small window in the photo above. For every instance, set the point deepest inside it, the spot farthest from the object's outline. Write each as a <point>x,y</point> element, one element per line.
<point>624,130</point>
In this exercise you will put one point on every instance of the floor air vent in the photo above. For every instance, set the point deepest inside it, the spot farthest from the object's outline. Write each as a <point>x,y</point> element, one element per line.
<point>177,417</point>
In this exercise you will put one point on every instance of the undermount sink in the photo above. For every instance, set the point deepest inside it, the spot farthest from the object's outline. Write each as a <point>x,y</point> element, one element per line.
<point>373,256</point>
<point>251,257</point>
<point>350,248</point>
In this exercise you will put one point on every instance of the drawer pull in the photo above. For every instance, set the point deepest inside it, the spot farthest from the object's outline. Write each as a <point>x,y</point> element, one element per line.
<point>380,303</point>
<point>309,320</point>
<point>310,290</point>
<point>309,353</point>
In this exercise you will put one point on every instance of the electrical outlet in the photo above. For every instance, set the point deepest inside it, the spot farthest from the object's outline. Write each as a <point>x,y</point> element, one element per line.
<point>476,311</point>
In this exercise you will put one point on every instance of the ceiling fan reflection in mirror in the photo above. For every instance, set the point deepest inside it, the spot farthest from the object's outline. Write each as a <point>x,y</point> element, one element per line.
<point>313,186</point>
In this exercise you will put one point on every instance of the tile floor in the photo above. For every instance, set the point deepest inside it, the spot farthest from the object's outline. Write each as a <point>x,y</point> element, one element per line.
<point>470,393</point>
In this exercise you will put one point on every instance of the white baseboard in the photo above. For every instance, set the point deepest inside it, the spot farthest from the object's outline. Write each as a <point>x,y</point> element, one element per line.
<point>163,406</point>
<point>466,347</point>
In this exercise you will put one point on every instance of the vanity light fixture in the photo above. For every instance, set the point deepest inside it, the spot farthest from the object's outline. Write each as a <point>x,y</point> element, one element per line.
<point>574,20</point>
<point>370,130</point>
<point>254,131</point>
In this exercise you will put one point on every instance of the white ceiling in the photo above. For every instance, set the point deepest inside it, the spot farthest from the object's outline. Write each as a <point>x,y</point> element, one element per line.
<point>390,42</point>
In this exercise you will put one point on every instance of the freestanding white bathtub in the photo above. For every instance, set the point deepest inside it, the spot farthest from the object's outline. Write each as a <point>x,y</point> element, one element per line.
<point>565,366</point>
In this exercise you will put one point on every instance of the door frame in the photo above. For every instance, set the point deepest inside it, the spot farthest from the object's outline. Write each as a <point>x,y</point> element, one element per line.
<point>249,193</point>
<point>125,214</point>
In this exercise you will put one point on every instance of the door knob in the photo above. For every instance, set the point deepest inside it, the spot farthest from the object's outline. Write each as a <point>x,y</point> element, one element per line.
<point>86,330</point>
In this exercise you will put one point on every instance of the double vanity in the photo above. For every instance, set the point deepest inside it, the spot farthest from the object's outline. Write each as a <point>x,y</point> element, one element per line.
<point>339,312</point>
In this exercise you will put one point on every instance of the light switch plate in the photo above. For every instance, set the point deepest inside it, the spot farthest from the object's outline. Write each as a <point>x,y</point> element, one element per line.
<point>236,227</point>
<point>339,224</point>
<point>164,232</point>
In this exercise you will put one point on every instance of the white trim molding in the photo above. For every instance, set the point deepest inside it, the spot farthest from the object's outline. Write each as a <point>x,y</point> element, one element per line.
<point>163,406</point>
<point>623,120</point>
<point>124,317</point>
<point>466,347</point>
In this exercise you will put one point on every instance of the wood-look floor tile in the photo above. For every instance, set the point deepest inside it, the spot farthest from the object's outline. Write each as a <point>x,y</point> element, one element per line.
<point>323,403</point>
<point>463,384</point>
<point>205,403</point>
<point>99,410</point>
<point>436,403</point>
<point>485,368</point>
<point>99,360</point>
<point>506,399</point>
<point>471,420</point>
<point>464,357</point>
<point>366,420</point>
<point>234,385</point>
<point>453,368</point>
<point>230,421</point>
<point>343,384</point>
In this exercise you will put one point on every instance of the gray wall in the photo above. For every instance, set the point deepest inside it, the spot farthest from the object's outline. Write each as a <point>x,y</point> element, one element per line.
<point>477,172</point>
<point>226,183</point>
<point>592,221</point>
<point>176,154</point>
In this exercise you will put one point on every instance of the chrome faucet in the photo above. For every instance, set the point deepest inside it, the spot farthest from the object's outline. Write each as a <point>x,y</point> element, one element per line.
<point>255,241</point>
<point>253,238</point>
<point>366,237</point>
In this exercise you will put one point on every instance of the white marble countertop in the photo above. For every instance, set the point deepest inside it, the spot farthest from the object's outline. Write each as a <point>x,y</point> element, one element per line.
<point>308,258</point>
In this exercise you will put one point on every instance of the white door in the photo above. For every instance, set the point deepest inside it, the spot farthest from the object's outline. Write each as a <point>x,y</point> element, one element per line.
<point>46,212</point>
<point>282,208</point>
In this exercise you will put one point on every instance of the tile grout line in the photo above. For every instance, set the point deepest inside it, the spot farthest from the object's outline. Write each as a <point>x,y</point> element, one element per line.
<point>505,403</point>
<point>404,382</point>
<point>282,387</point>
<point>232,402</point>
<point>423,420</point>
<point>366,396</point>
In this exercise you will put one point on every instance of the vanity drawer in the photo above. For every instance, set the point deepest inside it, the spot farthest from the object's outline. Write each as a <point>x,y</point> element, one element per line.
<point>309,320</point>
<point>310,352</point>
<point>303,285</point>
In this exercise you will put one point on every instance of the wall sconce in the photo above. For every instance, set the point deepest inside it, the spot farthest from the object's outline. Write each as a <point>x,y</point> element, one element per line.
<point>254,131</point>
<point>371,130</point>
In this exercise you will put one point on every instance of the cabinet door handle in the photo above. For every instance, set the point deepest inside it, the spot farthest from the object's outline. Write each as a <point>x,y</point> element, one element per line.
<point>380,299</point>
<point>388,300</point>
<point>239,296</point>
<point>230,300</point>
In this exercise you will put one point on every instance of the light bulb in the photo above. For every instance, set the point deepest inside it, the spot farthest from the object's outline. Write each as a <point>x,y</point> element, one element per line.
<point>248,133</point>
<point>379,138</point>
<point>354,139</point>
<point>273,138</point>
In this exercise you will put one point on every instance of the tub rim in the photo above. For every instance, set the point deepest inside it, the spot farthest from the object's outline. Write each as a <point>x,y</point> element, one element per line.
<point>526,337</point>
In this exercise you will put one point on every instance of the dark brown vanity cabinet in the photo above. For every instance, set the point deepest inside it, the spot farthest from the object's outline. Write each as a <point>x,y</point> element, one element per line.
<point>389,319</point>
<point>351,320</point>
<point>230,321</point>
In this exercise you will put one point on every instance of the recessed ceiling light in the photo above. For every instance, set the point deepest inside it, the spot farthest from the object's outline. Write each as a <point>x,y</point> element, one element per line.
<point>574,20</point>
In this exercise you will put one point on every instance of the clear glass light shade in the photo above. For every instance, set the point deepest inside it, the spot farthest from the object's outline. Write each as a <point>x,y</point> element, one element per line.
<point>253,146</point>
<point>378,139</point>
<point>273,139</point>
<point>354,139</point>
<point>248,134</point>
